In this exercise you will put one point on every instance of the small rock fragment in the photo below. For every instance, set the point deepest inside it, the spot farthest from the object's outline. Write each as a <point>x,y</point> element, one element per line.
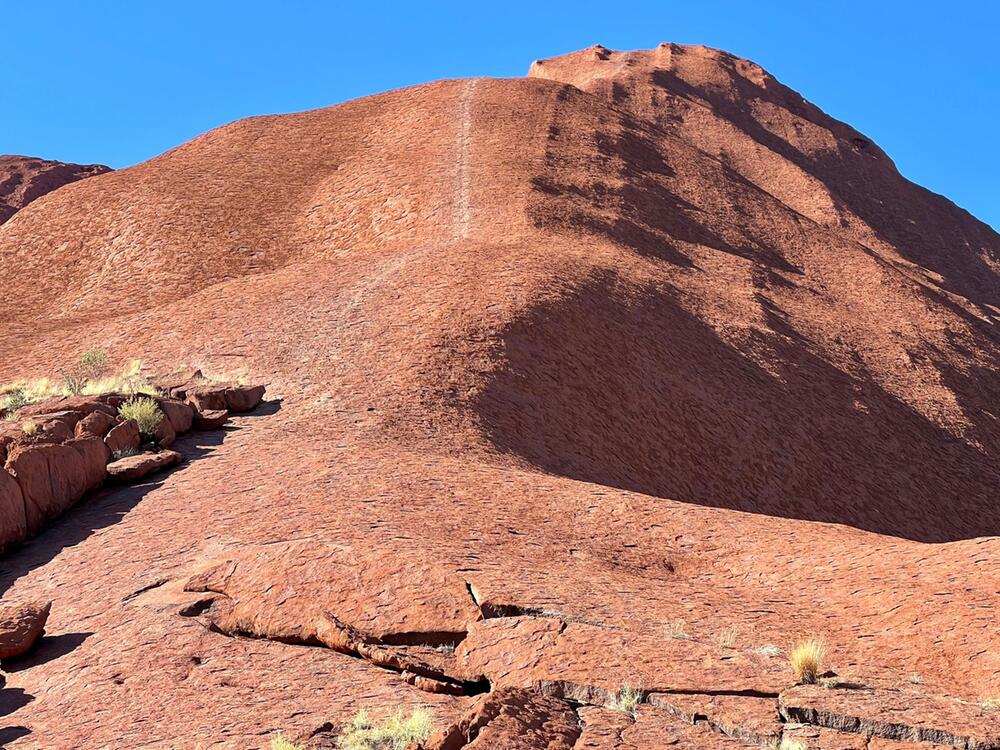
<point>20,626</point>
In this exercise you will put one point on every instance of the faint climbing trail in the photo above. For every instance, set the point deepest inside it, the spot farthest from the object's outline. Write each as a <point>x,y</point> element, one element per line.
<point>463,209</point>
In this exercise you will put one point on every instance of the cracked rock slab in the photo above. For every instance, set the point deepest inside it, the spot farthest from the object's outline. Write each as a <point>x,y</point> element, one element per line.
<point>589,663</point>
<point>894,715</point>
<point>512,719</point>
<point>745,717</point>
<point>650,727</point>
<point>281,591</point>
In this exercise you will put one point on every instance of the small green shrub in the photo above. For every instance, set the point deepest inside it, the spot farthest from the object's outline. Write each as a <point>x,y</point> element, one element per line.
<point>394,732</point>
<point>93,364</point>
<point>278,742</point>
<point>626,699</point>
<point>13,400</point>
<point>145,411</point>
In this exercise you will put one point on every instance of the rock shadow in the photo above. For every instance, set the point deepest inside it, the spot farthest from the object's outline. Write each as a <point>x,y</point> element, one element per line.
<point>48,648</point>
<point>633,391</point>
<point>926,228</point>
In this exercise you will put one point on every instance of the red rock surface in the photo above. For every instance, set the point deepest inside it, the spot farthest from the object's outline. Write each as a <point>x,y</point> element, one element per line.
<point>25,178</point>
<point>584,370</point>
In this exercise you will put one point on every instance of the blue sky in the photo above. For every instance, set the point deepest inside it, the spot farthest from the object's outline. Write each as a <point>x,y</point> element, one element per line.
<point>119,82</point>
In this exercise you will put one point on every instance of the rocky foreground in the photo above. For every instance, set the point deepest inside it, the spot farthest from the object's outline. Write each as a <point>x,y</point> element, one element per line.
<point>591,394</point>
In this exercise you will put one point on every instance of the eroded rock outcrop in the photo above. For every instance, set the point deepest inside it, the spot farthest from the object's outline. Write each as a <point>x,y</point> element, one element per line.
<point>75,442</point>
<point>25,178</point>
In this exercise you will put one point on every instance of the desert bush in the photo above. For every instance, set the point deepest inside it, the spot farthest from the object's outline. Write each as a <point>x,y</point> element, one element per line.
<point>807,660</point>
<point>93,364</point>
<point>30,427</point>
<point>13,400</point>
<point>73,382</point>
<point>625,700</point>
<point>278,742</point>
<point>394,732</point>
<point>145,411</point>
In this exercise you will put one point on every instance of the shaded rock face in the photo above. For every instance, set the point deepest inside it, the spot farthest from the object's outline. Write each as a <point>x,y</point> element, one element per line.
<point>24,179</point>
<point>633,372</point>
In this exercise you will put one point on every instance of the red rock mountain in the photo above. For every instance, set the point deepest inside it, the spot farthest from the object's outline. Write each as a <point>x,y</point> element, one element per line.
<point>627,372</point>
<point>24,179</point>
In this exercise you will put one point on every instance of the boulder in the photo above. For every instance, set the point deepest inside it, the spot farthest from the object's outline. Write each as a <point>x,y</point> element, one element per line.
<point>123,437</point>
<point>208,398</point>
<point>97,423</point>
<point>66,417</point>
<point>94,456</point>
<point>52,427</point>
<point>180,414</point>
<point>12,521</point>
<point>20,626</point>
<point>164,435</point>
<point>53,477</point>
<point>210,419</point>
<point>240,399</point>
<point>131,468</point>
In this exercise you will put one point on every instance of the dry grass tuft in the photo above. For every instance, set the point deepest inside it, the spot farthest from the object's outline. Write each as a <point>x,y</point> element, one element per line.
<point>807,660</point>
<point>24,392</point>
<point>278,742</point>
<point>626,699</point>
<point>394,732</point>
<point>675,629</point>
<point>729,637</point>
<point>787,743</point>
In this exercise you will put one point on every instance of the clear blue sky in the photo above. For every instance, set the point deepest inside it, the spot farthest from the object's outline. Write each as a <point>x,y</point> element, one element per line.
<point>119,82</point>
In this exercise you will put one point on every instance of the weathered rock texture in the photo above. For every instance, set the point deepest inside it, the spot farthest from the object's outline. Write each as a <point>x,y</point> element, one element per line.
<point>636,370</point>
<point>25,178</point>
